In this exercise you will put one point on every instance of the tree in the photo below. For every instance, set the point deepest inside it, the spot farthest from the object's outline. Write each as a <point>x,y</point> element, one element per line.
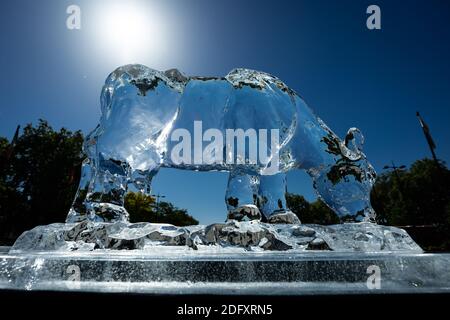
<point>417,199</point>
<point>418,196</point>
<point>322,214</point>
<point>171,214</point>
<point>140,207</point>
<point>313,213</point>
<point>143,208</point>
<point>38,177</point>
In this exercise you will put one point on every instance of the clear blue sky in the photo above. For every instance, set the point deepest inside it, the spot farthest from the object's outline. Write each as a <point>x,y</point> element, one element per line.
<point>350,76</point>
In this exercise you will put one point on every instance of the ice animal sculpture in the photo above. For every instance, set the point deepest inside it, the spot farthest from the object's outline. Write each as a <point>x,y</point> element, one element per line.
<point>147,113</point>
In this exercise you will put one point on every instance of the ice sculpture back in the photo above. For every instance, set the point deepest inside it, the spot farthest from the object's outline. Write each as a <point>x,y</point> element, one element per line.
<point>148,117</point>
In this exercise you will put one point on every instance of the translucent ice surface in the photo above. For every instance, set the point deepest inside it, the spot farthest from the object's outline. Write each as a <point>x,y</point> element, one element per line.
<point>248,123</point>
<point>243,236</point>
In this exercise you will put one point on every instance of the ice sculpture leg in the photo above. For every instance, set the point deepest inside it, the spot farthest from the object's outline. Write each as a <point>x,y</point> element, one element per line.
<point>242,196</point>
<point>141,180</point>
<point>272,191</point>
<point>78,210</point>
<point>100,196</point>
<point>105,199</point>
<point>272,195</point>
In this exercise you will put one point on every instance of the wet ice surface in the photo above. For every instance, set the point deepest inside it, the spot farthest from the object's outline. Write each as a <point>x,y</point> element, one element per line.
<point>142,108</point>
<point>231,237</point>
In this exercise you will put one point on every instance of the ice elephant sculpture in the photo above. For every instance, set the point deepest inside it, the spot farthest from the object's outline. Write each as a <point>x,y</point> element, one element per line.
<point>146,114</point>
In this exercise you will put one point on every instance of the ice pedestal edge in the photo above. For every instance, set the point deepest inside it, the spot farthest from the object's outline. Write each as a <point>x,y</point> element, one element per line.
<point>177,271</point>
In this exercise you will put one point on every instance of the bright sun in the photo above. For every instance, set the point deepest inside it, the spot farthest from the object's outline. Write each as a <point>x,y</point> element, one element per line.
<point>130,32</point>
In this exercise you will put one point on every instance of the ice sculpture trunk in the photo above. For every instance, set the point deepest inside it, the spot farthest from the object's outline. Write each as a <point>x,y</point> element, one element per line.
<point>341,173</point>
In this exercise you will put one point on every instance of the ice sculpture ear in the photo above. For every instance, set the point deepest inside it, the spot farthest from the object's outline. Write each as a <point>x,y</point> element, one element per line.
<point>353,144</point>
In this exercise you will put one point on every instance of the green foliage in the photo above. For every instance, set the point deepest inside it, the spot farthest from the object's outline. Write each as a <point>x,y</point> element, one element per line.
<point>38,177</point>
<point>313,213</point>
<point>4,143</point>
<point>140,207</point>
<point>143,208</point>
<point>418,196</point>
<point>170,214</point>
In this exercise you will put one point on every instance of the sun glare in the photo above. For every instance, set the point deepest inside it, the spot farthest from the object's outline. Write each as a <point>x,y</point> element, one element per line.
<point>130,32</point>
